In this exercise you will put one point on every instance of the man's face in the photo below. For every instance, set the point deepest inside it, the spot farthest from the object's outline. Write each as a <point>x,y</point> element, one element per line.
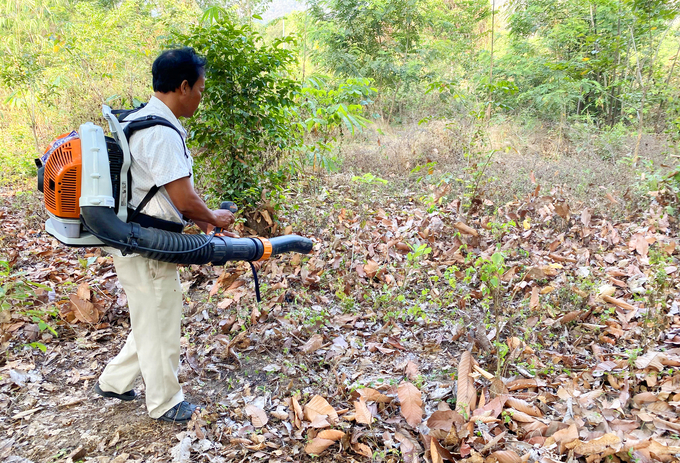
<point>191,96</point>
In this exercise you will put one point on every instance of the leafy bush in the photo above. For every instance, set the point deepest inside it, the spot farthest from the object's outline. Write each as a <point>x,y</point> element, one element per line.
<point>325,110</point>
<point>244,124</point>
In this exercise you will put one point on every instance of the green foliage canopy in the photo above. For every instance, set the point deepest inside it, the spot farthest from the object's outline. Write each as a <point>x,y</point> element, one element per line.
<point>394,42</point>
<point>585,57</point>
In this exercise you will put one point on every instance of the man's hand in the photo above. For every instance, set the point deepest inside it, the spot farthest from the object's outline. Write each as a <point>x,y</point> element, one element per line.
<point>185,199</point>
<point>226,221</point>
<point>223,218</point>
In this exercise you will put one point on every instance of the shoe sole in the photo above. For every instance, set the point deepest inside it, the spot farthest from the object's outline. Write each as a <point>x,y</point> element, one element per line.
<point>114,395</point>
<point>180,421</point>
<point>170,420</point>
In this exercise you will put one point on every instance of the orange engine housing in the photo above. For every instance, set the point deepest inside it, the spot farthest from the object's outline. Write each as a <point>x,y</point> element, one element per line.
<point>62,180</point>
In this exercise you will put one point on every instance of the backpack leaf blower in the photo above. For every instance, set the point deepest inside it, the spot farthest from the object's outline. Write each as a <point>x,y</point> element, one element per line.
<point>85,179</point>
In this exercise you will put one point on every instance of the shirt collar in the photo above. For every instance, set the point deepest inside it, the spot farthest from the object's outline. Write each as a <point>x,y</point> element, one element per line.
<point>161,109</point>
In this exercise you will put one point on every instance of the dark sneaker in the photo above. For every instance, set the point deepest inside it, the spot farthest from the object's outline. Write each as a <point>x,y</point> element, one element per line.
<point>180,413</point>
<point>129,395</point>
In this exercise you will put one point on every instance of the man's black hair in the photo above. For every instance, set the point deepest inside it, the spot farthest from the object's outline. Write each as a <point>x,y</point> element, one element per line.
<point>173,67</point>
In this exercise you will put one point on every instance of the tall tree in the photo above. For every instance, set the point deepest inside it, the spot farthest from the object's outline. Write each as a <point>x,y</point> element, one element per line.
<point>591,57</point>
<point>397,43</point>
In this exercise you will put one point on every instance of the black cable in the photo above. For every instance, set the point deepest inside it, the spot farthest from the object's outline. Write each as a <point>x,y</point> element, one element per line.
<point>257,283</point>
<point>211,236</point>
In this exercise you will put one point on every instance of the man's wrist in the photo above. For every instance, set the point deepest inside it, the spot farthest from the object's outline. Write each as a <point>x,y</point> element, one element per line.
<point>213,218</point>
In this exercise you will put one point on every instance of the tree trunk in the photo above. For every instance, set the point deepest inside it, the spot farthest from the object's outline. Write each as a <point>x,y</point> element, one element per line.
<point>613,101</point>
<point>493,23</point>
<point>645,86</point>
<point>304,47</point>
<point>394,98</point>
<point>640,111</point>
<point>661,103</point>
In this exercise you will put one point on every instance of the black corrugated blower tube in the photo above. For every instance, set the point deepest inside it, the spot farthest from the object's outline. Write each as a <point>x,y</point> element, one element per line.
<point>178,248</point>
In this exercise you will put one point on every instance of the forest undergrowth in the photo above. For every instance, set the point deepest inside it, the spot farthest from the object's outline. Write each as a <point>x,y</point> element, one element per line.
<point>514,315</point>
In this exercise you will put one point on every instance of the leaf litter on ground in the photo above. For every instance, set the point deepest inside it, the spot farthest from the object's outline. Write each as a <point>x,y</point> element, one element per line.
<point>336,364</point>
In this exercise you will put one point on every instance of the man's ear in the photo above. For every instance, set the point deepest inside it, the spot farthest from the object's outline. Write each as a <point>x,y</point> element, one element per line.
<point>185,87</point>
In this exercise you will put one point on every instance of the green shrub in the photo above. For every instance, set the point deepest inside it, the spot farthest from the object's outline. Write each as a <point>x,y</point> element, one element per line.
<point>327,111</point>
<point>245,119</point>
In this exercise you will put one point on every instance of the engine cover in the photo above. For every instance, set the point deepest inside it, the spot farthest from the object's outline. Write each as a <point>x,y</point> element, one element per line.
<point>61,183</point>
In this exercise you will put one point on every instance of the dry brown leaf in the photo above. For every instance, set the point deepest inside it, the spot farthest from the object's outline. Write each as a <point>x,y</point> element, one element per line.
<point>466,396</point>
<point>443,419</point>
<point>667,425</point>
<point>534,302</point>
<point>319,406</point>
<point>465,229</point>
<point>411,371</point>
<point>492,409</point>
<point>314,344</point>
<point>331,434</point>
<point>318,445</point>
<point>320,422</point>
<point>372,395</point>
<point>297,412</point>
<point>639,243</point>
<point>624,425</point>
<point>651,360</point>
<point>497,387</point>
<point>562,209</point>
<point>371,268</point>
<point>280,413</point>
<point>566,436</point>
<point>522,406</point>
<point>257,416</point>
<point>483,372</point>
<point>585,217</point>
<point>83,291</point>
<point>411,403</point>
<point>645,398</point>
<point>445,454</point>
<point>603,444</point>
<point>611,198</point>
<point>570,316</point>
<point>618,303</point>
<point>408,450</point>
<point>659,450</point>
<point>363,414</point>
<point>452,439</point>
<point>362,449</point>
<point>434,452</point>
<point>520,417</point>
<point>255,315</point>
<point>225,281</point>
<point>505,456</point>
<point>85,311</point>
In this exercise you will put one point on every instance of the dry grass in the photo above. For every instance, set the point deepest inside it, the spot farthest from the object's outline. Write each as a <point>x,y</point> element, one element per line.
<point>577,161</point>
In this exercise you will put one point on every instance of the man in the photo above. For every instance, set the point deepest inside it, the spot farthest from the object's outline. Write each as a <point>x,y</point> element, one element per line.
<point>160,157</point>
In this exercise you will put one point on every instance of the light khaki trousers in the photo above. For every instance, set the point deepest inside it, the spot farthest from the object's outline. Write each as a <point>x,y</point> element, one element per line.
<point>152,348</point>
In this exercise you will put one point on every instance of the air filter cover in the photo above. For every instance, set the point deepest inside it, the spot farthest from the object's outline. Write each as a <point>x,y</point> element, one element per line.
<point>62,179</point>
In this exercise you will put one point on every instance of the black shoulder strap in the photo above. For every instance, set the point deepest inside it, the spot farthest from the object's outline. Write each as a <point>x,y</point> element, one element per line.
<point>151,121</point>
<point>121,114</point>
<point>141,124</point>
<point>154,189</point>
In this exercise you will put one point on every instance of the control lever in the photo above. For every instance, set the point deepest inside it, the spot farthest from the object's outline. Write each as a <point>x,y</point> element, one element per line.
<point>230,206</point>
